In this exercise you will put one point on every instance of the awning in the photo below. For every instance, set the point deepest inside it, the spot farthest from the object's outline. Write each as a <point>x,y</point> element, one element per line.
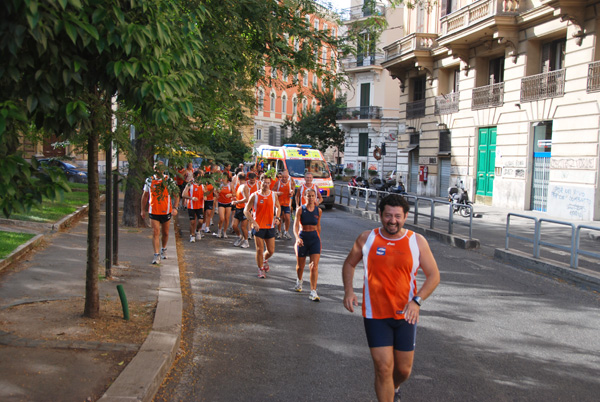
<point>408,149</point>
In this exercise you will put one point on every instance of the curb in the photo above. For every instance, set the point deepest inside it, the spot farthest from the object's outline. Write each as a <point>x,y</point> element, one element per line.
<point>142,377</point>
<point>582,277</point>
<point>20,251</point>
<point>452,240</point>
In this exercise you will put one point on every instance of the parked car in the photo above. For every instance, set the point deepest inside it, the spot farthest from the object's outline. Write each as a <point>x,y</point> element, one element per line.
<point>74,173</point>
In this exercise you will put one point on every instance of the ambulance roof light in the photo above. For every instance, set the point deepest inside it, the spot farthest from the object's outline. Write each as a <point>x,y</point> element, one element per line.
<point>298,145</point>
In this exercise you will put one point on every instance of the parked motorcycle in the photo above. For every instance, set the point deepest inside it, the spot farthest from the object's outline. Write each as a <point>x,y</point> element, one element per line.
<point>460,200</point>
<point>360,183</point>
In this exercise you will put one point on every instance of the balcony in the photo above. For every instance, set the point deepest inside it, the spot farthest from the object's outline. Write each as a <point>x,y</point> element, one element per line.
<point>446,104</point>
<point>360,113</point>
<point>363,61</point>
<point>593,81</point>
<point>488,96</point>
<point>543,86</point>
<point>366,10</point>
<point>415,109</point>
<point>410,44</point>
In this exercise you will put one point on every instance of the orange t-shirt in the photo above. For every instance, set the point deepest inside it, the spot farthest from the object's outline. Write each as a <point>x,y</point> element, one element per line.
<point>264,210</point>
<point>285,199</point>
<point>253,188</point>
<point>160,199</point>
<point>390,267</point>
<point>239,195</point>
<point>223,192</point>
<point>197,191</point>
<point>303,189</point>
<point>209,194</point>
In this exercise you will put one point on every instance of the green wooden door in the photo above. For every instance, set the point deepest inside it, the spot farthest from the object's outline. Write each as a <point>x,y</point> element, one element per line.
<point>486,161</point>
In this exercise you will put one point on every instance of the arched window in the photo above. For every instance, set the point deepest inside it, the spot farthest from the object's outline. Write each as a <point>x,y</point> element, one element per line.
<point>284,104</point>
<point>295,105</point>
<point>304,105</point>
<point>272,106</point>
<point>261,99</point>
<point>314,104</point>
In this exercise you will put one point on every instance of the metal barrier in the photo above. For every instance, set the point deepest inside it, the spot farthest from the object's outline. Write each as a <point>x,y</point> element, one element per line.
<point>414,199</point>
<point>574,249</point>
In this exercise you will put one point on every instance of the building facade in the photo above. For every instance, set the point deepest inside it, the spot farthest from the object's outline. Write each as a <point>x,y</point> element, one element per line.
<point>502,97</point>
<point>371,119</point>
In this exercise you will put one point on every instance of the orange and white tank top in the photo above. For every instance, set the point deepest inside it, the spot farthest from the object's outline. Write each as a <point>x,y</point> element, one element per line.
<point>264,210</point>
<point>197,191</point>
<point>223,191</point>
<point>303,189</point>
<point>209,194</point>
<point>160,199</point>
<point>254,188</point>
<point>285,199</point>
<point>390,274</point>
<point>239,195</point>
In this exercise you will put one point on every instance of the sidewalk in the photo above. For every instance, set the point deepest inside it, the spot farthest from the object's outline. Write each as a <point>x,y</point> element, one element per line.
<point>49,352</point>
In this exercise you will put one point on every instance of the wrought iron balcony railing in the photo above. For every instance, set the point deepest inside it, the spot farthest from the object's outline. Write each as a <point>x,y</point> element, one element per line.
<point>446,104</point>
<point>363,61</point>
<point>488,96</point>
<point>368,9</point>
<point>593,81</point>
<point>360,113</point>
<point>543,86</point>
<point>415,109</point>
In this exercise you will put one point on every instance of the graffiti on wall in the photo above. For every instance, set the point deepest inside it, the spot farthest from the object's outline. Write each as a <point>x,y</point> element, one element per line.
<point>578,202</point>
<point>573,163</point>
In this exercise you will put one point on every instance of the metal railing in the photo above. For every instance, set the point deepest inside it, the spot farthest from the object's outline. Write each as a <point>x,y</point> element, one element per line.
<point>446,104</point>
<point>415,109</point>
<point>537,241</point>
<point>360,113</point>
<point>488,96</point>
<point>365,61</point>
<point>418,211</point>
<point>543,86</point>
<point>368,9</point>
<point>593,79</point>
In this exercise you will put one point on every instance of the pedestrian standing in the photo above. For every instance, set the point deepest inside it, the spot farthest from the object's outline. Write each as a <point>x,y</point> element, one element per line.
<point>391,257</point>
<point>307,228</point>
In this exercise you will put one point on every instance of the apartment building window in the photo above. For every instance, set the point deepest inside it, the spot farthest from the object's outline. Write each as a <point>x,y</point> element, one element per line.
<point>259,133</point>
<point>294,105</point>
<point>273,98</point>
<point>313,105</point>
<point>546,77</point>
<point>363,144</point>
<point>365,50</point>
<point>492,94</point>
<point>496,71</point>
<point>316,25</point>
<point>420,28</point>
<point>324,56</point>
<point>305,78</point>
<point>416,108</point>
<point>296,45</point>
<point>274,73</point>
<point>333,32</point>
<point>315,81</point>
<point>553,56</point>
<point>284,104</point>
<point>304,105</point>
<point>325,27</point>
<point>365,100</point>
<point>261,100</point>
<point>448,7</point>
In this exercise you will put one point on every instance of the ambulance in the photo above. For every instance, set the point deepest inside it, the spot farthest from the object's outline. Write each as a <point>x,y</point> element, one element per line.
<point>299,159</point>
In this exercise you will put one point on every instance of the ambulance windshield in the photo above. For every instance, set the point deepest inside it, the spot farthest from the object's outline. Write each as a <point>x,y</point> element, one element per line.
<point>298,167</point>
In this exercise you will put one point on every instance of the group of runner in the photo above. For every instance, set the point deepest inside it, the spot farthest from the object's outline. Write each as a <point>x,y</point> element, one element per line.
<point>252,206</point>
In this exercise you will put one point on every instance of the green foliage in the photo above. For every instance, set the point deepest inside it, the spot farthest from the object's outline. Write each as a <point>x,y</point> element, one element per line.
<point>9,241</point>
<point>319,128</point>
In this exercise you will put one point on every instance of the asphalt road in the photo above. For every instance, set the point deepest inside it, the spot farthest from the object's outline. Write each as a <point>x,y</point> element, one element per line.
<point>489,332</point>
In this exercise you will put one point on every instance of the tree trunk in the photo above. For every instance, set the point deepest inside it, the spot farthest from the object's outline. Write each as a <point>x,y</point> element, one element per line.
<point>92,298</point>
<point>138,165</point>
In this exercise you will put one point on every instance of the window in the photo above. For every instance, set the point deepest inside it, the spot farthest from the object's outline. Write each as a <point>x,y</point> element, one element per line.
<point>284,104</point>
<point>325,27</point>
<point>304,105</point>
<point>273,98</point>
<point>418,85</point>
<point>284,74</point>
<point>333,32</point>
<point>259,133</point>
<point>274,73</point>
<point>313,105</point>
<point>315,81</point>
<point>305,78</point>
<point>363,144</point>
<point>296,44</point>
<point>448,7</point>
<point>316,24</point>
<point>294,105</point>
<point>324,56</point>
<point>261,100</point>
<point>553,56</point>
<point>496,71</point>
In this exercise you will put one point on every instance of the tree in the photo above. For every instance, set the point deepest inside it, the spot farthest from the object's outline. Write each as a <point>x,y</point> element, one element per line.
<point>319,128</point>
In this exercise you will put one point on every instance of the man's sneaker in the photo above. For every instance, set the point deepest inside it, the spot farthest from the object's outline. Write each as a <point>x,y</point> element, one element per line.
<point>245,244</point>
<point>206,230</point>
<point>261,274</point>
<point>237,242</point>
<point>397,395</point>
<point>156,259</point>
<point>278,235</point>
<point>224,234</point>
<point>220,233</point>
<point>287,236</point>
<point>192,239</point>
<point>266,266</point>
<point>298,287</point>
<point>163,253</point>
<point>230,230</point>
<point>214,234</point>
<point>314,296</point>
<point>198,236</point>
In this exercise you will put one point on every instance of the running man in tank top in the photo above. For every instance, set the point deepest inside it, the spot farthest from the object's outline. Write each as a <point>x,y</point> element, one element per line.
<point>285,191</point>
<point>240,222</point>
<point>193,194</point>
<point>307,228</point>
<point>263,210</point>
<point>391,257</point>
<point>308,183</point>
<point>224,199</point>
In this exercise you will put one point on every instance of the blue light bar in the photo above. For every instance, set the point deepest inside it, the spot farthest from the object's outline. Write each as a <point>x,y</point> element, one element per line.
<point>298,145</point>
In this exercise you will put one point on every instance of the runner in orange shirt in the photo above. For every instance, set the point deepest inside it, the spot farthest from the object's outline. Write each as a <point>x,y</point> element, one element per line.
<point>240,222</point>
<point>194,196</point>
<point>285,190</point>
<point>308,183</point>
<point>156,200</point>
<point>263,210</point>
<point>391,257</point>
<point>209,196</point>
<point>224,199</point>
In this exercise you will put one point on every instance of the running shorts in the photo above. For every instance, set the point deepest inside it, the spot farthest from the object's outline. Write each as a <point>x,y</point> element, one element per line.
<point>208,205</point>
<point>161,218</point>
<point>228,205</point>
<point>391,332</point>
<point>286,210</point>
<point>196,213</point>
<point>312,244</point>
<point>264,233</point>
<point>239,214</point>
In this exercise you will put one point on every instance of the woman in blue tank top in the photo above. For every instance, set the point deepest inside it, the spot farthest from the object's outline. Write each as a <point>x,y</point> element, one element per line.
<point>307,228</point>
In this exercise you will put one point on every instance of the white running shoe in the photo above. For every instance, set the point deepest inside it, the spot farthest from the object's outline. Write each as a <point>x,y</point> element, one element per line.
<point>298,287</point>
<point>314,296</point>
<point>237,242</point>
<point>266,266</point>
<point>261,274</point>
<point>215,234</point>
<point>287,236</point>
<point>192,239</point>
<point>206,230</point>
<point>163,253</point>
<point>198,236</point>
<point>278,235</point>
<point>156,259</point>
<point>220,233</point>
<point>224,234</point>
<point>245,244</point>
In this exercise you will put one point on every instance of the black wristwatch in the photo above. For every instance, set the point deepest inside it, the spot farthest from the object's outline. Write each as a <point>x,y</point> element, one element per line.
<point>417,300</point>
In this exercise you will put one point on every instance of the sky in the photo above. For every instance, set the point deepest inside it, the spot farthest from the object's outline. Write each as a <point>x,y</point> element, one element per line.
<point>338,4</point>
